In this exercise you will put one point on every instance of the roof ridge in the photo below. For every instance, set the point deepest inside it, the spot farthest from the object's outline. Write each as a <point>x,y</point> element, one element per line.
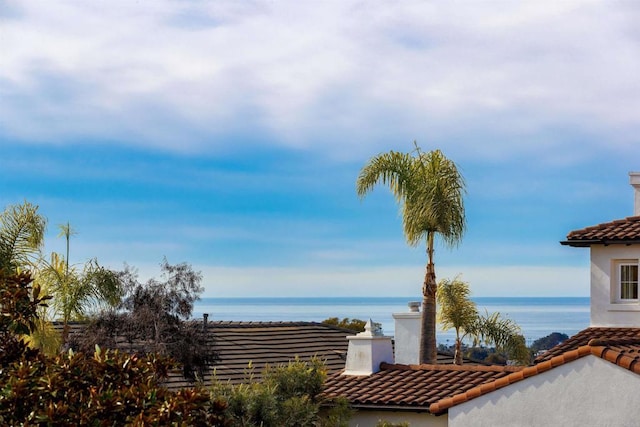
<point>250,323</point>
<point>446,367</point>
<point>603,342</point>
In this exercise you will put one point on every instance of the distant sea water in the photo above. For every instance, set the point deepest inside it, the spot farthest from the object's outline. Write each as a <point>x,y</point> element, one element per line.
<point>537,317</point>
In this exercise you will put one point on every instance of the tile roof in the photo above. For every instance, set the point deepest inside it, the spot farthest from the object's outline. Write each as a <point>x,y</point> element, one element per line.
<point>583,338</point>
<point>412,387</point>
<point>620,346</point>
<point>623,231</point>
<point>260,343</point>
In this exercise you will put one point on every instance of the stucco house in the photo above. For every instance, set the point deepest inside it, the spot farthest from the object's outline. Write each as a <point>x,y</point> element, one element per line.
<point>592,379</point>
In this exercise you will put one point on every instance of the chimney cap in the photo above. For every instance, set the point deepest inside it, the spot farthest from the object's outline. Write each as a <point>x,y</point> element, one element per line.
<point>634,178</point>
<point>414,306</point>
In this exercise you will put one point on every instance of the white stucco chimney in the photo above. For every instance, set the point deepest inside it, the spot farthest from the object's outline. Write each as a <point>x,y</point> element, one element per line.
<point>408,326</point>
<point>634,180</point>
<point>367,350</point>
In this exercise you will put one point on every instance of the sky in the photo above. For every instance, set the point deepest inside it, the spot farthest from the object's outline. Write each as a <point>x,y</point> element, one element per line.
<point>229,135</point>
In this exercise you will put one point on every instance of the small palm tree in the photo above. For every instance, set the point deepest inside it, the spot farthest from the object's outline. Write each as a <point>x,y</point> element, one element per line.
<point>459,312</point>
<point>76,293</point>
<point>429,189</point>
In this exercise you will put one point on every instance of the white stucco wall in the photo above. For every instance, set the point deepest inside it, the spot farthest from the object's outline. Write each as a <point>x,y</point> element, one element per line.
<point>363,418</point>
<point>586,392</point>
<point>604,311</point>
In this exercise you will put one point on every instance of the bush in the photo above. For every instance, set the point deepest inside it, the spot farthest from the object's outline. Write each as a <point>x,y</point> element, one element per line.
<point>289,395</point>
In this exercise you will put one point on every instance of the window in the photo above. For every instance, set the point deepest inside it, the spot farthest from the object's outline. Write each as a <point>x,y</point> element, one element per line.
<point>628,281</point>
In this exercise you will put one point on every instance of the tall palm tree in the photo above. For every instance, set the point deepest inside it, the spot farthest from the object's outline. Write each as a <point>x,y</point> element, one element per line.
<point>429,189</point>
<point>21,236</point>
<point>67,231</point>
<point>459,312</point>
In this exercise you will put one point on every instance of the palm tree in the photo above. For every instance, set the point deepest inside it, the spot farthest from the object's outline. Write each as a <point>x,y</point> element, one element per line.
<point>76,294</point>
<point>21,236</point>
<point>67,232</point>
<point>459,312</point>
<point>429,189</point>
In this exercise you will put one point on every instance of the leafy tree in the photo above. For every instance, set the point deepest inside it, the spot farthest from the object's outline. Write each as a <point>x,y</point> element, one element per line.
<point>106,389</point>
<point>21,236</point>
<point>429,189</point>
<point>346,323</point>
<point>153,318</point>
<point>548,342</point>
<point>289,395</point>
<point>459,312</point>
<point>19,302</point>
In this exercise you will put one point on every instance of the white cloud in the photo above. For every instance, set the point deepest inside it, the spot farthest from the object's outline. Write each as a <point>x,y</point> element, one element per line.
<point>337,76</point>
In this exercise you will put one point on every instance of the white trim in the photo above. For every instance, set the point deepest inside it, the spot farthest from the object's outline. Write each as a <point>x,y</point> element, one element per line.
<point>616,285</point>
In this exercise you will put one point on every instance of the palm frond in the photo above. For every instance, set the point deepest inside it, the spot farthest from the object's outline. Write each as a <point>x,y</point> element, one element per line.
<point>457,310</point>
<point>393,169</point>
<point>22,231</point>
<point>429,189</point>
<point>504,334</point>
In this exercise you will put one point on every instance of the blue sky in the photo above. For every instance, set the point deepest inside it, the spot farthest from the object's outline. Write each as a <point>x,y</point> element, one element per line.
<point>229,135</point>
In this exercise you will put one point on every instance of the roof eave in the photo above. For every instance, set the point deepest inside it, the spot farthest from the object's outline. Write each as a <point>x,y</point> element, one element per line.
<point>395,408</point>
<point>585,243</point>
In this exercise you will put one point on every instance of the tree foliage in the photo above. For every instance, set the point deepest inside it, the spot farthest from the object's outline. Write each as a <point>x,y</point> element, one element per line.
<point>346,323</point>
<point>289,395</point>
<point>153,317</point>
<point>105,389</point>
<point>548,342</point>
<point>429,189</point>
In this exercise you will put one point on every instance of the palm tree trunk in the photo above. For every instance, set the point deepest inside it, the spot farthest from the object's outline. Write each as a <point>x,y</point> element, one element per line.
<point>428,352</point>
<point>457,357</point>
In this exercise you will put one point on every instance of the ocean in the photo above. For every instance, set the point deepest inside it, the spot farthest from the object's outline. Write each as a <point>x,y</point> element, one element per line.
<point>537,317</point>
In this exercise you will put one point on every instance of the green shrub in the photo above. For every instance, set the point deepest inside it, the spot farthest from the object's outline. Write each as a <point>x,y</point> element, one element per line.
<point>289,395</point>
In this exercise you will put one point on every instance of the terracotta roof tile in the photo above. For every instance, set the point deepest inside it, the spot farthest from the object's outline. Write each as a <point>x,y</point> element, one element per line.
<point>412,386</point>
<point>620,231</point>
<point>584,337</point>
